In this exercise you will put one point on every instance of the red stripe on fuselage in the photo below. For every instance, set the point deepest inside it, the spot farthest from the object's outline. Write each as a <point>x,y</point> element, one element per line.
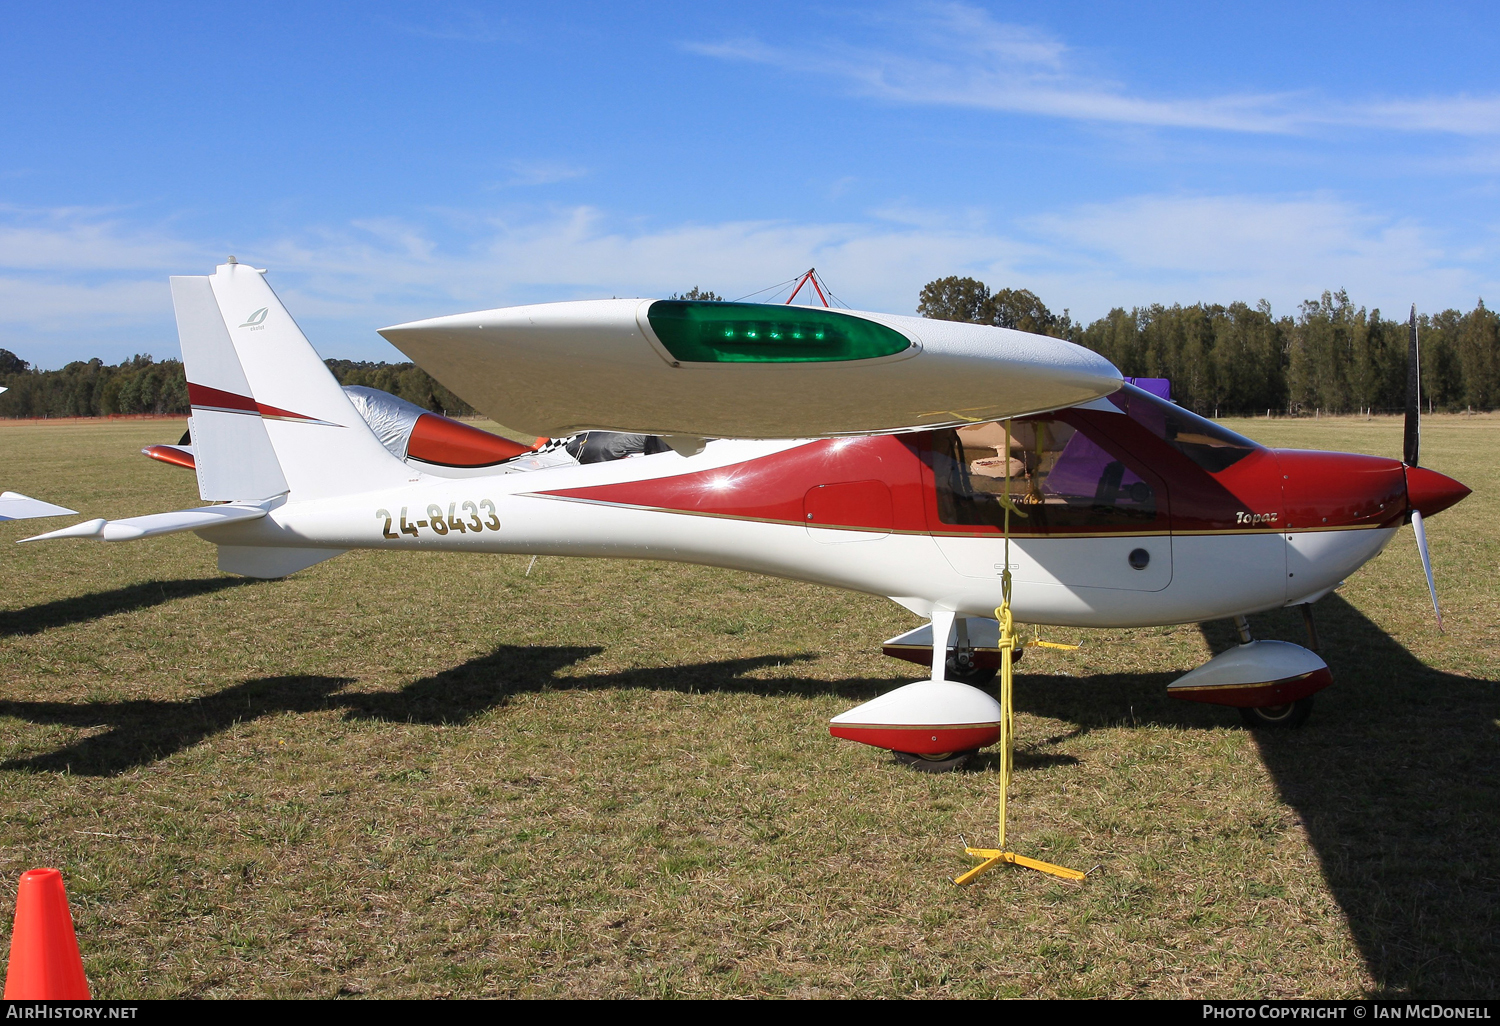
<point>775,487</point>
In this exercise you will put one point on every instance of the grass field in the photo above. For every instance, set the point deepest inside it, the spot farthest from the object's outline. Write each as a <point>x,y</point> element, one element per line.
<point>432,774</point>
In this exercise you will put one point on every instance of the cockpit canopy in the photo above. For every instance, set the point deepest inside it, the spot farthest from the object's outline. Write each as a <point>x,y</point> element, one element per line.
<point>1213,447</point>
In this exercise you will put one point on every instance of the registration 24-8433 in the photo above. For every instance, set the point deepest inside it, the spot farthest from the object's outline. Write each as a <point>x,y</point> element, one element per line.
<point>462,517</point>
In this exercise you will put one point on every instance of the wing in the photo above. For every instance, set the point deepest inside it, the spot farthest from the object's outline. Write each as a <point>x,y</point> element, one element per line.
<point>743,370</point>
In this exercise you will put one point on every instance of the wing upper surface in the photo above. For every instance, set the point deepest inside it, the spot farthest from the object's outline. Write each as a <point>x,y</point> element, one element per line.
<point>558,368</point>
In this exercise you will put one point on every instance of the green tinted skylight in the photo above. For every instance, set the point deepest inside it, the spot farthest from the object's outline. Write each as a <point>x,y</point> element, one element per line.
<point>763,333</point>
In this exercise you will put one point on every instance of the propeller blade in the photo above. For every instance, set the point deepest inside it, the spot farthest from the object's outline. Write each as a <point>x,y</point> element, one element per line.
<point>1413,439</point>
<point>1421,531</point>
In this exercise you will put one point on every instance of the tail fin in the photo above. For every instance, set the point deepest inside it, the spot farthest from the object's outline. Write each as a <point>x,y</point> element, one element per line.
<point>232,452</point>
<point>267,414</point>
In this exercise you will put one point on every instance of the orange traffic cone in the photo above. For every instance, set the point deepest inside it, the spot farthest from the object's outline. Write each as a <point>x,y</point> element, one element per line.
<point>44,961</point>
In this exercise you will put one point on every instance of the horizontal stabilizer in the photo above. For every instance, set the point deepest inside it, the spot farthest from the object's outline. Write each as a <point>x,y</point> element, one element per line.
<point>157,523</point>
<point>87,529</point>
<point>15,506</point>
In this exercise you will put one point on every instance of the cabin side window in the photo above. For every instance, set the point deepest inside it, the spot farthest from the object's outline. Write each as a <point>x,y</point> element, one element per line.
<point>1058,477</point>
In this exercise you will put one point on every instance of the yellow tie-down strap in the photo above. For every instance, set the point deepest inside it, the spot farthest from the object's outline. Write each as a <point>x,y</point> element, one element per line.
<point>993,858</point>
<point>1008,643</point>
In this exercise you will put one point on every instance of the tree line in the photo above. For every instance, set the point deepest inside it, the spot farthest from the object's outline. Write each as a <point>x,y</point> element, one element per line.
<point>1241,359</point>
<point>94,388</point>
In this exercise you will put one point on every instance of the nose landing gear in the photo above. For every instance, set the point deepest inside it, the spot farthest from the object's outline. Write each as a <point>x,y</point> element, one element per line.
<point>1270,682</point>
<point>1277,717</point>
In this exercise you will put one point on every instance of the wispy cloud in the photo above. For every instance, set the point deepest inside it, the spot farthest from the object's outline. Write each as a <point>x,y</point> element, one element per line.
<point>84,238</point>
<point>958,55</point>
<point>458,25</point>
<point>538,172</point>
<point>1226,248</point>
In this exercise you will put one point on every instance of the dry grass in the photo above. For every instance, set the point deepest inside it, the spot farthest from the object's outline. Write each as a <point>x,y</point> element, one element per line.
<point>422,774</point>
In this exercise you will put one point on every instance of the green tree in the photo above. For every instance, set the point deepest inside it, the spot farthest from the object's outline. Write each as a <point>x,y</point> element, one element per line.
<point>1022,310</point>
<point>11,364</point>
<point>968,299</point>
<point>1442,369</point>
<point>1478,356</point>
<point>1248,359</point>
<point>955,299</point>
<point>1333,355</point>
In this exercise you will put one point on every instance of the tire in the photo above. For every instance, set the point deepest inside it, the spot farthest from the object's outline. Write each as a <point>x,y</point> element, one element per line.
<point>1278,717</point>
<point>945,762</point>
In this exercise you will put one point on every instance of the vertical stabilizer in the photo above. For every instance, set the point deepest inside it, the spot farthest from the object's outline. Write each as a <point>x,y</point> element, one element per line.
<point>322,444</point>
<point>232,451</point>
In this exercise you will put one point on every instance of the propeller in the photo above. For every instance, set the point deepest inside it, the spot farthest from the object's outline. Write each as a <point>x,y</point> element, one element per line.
<point>1411,450</point>
<point>1413,440</point>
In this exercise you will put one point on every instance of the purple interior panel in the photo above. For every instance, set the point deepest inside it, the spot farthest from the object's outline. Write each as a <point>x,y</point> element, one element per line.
<point>1159,387</point>
<point>1079,467</point>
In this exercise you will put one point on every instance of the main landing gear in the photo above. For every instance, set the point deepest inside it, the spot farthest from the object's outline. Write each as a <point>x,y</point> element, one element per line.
<point>938,725</point>
<point>973,655</point>
<point>963,667</point>
<point>934,725</point>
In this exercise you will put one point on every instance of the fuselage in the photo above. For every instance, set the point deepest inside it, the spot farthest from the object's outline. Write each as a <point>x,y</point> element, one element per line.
<point>1129,512</point>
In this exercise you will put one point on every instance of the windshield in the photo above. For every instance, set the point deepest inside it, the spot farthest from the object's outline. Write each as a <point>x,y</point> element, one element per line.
<point>1211,446</point>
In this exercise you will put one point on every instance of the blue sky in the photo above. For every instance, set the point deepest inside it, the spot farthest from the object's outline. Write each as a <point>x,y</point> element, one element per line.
<point>389,161</point>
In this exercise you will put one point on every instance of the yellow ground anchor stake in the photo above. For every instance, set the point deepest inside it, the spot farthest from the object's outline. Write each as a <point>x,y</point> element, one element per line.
<point>995,856</point>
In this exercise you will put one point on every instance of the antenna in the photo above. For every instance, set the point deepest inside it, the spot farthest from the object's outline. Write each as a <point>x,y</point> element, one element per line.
<point>817,284</point>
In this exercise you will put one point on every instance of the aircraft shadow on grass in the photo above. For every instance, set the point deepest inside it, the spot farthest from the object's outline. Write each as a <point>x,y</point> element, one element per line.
<point>96,606</point>
<point>146,731</point>
<point>1393,778</point>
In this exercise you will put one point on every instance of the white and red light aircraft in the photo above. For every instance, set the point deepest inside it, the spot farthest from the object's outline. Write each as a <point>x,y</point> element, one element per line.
<point>858,450</point>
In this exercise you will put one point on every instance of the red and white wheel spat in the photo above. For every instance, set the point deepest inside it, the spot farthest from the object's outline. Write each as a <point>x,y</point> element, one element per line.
<point>930,717</point>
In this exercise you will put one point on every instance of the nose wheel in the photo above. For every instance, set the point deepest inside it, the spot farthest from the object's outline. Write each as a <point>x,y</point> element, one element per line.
<point>1278,717</point>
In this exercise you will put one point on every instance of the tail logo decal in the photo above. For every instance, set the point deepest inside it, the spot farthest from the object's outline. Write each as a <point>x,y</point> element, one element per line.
<point>257,319</point>
<point>217,400</point>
